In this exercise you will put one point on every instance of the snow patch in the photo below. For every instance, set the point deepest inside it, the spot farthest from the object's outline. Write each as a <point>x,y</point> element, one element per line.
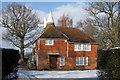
<point>59,74</point>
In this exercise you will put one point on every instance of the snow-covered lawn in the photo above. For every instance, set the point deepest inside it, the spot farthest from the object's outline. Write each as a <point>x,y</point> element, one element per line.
<point>57,74</point>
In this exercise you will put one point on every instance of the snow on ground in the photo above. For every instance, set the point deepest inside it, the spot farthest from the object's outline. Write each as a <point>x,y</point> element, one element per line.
<point>58,74</point>
<point>21,75</point>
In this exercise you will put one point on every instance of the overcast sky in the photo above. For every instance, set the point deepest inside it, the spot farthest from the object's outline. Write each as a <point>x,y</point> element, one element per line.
<point>74,9</point>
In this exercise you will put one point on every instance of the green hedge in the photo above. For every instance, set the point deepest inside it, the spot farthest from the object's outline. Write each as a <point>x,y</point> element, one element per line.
<point>109,61</point>
<point>10,59</point>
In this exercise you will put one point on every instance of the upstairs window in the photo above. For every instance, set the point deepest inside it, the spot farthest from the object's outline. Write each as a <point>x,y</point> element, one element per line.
<point>81,60</point>
<point>78,47</point>
<point>82,47</point>
<point>87,47</point>
<point>62,61</point>
<point>49,42</point>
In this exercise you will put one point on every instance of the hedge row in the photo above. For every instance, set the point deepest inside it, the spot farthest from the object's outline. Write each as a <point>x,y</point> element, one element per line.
<point>109,61</point>
<point>10,59</point>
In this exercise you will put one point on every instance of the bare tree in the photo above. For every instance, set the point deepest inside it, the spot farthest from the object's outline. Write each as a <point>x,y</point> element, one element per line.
<point>88,27</point>
<point>105,15</point>
<point>119,25</point>
<point>69,21</point>
<point>21,24</point>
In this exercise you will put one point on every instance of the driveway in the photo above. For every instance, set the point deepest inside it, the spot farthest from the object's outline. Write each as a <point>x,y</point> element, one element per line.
<point>59,75</point>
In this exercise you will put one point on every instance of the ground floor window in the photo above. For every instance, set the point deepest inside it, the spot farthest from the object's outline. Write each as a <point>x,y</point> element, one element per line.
<point>81,60</point>
<point>62,61</point>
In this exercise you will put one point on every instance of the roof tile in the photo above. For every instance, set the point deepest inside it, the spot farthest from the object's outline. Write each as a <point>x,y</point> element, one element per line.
<point>74,34</point>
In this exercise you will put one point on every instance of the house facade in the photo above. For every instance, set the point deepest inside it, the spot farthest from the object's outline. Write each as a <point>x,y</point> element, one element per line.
<point>64,48</point>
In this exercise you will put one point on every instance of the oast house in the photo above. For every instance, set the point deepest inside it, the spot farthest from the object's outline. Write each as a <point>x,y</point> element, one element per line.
<point>64,48</point>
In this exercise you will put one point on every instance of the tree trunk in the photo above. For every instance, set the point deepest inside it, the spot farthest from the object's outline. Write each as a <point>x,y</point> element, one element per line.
<point>22,49</point>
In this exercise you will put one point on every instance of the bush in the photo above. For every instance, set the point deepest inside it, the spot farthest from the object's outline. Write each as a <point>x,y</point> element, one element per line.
<point>31,65</point>
<point>109,61</point>
<point>10,59</point>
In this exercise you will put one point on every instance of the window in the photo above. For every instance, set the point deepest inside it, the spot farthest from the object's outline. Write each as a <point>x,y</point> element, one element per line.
<point>62,61</point>
<point>78,47</point>
<point>81,60</point>
<point>49,42</point>
<point>82,47</point>
<point>87,47</point>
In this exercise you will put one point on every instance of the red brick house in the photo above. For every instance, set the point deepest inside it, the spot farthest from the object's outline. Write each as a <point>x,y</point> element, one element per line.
<point>64,48</point>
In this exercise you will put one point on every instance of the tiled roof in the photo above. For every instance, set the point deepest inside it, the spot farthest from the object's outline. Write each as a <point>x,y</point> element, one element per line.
<point>75,35</point>
<point>71,34</point>
<point>52,32</point>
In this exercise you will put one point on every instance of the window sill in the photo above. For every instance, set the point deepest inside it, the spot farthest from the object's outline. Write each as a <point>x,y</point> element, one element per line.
<point>81,65</point>
<point>82,50</point>
<point>48,44</point>
<point>62,65</point>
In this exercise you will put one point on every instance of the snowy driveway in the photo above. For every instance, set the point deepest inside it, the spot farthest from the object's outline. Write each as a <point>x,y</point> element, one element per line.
<point>57,74</point>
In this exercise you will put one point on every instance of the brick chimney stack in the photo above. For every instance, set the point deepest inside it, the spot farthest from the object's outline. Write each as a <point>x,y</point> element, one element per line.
<point>63,23</point>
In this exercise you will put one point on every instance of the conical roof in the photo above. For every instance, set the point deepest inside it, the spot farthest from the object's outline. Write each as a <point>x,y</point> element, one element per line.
<point>50,18</point>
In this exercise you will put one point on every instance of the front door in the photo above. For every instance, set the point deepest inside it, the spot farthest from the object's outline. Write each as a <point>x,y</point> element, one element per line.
<point>53,62</point>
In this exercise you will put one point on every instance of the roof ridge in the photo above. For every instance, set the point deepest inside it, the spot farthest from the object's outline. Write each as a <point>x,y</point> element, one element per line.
<point>76,29</point>
<point>69,33</point>
<point>62,33</point>
<point>49,32</point>
<point>75,35</point>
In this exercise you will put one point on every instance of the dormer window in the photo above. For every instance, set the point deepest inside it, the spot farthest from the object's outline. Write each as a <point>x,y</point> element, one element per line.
<point>49,42</point>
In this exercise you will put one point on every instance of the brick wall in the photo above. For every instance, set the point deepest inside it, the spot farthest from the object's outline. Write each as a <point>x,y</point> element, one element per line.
<point>92,53</point>
<point>60,46</point>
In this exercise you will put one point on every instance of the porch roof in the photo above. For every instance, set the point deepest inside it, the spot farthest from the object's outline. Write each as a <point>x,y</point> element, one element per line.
<point>53,54</point>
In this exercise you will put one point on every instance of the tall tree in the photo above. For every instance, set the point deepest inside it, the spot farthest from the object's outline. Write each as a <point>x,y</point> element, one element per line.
<point>21,24</point>
<point>106,19</point>
<point>88,27</point>
<point>69,21</point>
<point>119,25</point>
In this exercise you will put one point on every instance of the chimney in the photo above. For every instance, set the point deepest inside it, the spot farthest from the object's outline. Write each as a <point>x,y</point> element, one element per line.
<point>63,23</point>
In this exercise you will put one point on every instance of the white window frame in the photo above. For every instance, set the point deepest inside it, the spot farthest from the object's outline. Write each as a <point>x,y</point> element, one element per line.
<point>38,44</point>
<point>78,47</point>
<point>49,43</point>
<point>62,63</point>
<point>33,45</point>
<point>83,62</point>
<point>88,48</point>
<point>82,47</point>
